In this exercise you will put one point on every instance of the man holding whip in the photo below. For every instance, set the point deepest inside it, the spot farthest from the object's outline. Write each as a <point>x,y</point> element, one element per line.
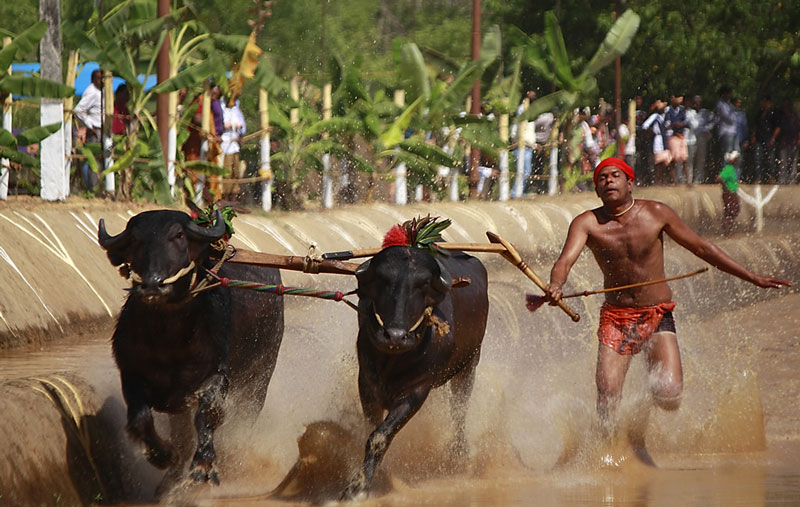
<point>626,237</point>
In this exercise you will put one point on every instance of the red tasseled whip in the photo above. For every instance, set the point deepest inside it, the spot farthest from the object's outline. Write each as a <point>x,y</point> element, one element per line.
<point>395,237</point>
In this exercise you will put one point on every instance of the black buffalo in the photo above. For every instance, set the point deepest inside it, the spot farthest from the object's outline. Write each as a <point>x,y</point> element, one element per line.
<point>416,332</point>
<point>176,351</point>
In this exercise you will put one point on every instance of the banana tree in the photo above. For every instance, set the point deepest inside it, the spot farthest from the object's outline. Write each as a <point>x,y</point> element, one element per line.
<point>436,108</point>
<point>127,42</point>
<point>551,60</point>
<point>31,86</point>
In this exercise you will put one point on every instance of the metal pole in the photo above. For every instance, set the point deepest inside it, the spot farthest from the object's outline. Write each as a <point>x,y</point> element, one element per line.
<point>475,155</point>
<point>162,74</point>
<point>5,164</point>
<point>617,90</point>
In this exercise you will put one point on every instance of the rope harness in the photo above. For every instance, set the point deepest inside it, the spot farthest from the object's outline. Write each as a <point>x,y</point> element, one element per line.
<point>310,265</point>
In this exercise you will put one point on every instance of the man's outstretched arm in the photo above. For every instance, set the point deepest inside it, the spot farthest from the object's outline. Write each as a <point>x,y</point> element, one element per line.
<point>711,253</point>
<point>573,246</point>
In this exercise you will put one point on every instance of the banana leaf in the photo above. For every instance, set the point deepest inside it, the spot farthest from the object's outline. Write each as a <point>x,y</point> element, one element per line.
<point>267,79</point>
<point>23,44</point>
<point>413,73</point>
<point>205,167</point>
<point>561,100</point>
<point>335,125</point>
<point>37,134</point>
<point>7,138</point>
<point>396,131</point>
<point>429,152</point>
<point>616,43</point>
<point>14,155</point>
<point>30,86</point>
<point>558,51</point>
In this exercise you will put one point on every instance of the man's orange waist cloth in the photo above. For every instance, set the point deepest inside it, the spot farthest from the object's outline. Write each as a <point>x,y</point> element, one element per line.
<point>625,329</point>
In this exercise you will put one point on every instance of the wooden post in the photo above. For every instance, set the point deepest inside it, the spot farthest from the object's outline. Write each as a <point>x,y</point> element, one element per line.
<point>172,135</point>
<point>72,68</point>
<point>5,164</point>
<point>519,179</point>
<point>265,169</point>
<point>400,171</point>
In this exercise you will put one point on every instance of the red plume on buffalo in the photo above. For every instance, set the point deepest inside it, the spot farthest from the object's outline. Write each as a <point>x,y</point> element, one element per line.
<point>395,237</point>
<point>420,232</point>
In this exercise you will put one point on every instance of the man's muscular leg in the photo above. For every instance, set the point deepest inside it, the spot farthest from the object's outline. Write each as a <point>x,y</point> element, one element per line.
<point>664,367</point>
<point>610,377</point>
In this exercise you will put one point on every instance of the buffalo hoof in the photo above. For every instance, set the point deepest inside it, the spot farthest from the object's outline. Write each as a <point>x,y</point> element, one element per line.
<point>205,474</point>
<point>161,458</point>
<point>356,490</point>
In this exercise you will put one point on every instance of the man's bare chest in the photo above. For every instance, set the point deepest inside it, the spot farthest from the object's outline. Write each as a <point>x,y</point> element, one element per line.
<point>619,242</point>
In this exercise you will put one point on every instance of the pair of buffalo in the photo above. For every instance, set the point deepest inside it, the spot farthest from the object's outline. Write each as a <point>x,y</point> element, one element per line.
<point>176,351</point>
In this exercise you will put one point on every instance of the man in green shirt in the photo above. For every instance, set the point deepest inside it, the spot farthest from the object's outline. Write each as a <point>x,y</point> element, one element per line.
<point>730,185</point>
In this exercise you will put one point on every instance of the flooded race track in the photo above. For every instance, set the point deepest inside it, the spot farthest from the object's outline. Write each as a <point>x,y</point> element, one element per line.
<point>531,425</point>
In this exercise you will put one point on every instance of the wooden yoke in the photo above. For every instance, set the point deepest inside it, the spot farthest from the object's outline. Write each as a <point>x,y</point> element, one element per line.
<point>512,256</point>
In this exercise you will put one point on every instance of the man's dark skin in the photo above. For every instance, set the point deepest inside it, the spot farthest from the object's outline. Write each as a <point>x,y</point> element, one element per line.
<point>629,248</point>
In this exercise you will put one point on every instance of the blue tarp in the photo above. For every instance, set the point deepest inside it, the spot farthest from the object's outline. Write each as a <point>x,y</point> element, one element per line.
<point>84,78</point>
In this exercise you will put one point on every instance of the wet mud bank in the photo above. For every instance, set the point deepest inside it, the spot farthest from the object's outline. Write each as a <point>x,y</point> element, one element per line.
<point>63,440</point>
<point>58,281</point>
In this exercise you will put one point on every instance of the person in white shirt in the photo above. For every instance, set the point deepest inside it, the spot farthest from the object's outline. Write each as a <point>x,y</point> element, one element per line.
<point>89,109</point>
<point>90,112</point>
<point>661,155</point>
<point>233,129</point>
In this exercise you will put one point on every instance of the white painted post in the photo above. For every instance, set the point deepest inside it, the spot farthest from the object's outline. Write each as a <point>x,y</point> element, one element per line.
<point>519,179</point>
<point>172,139</point>
<point>757,202</point>
<point>52,110</point>
<point>264,168</point>
<point>108,143</point>
<point>327,180</point>
<point>503,162</point>
<point>5,164</point>
<point>400,172</point>
<point>552,184</point>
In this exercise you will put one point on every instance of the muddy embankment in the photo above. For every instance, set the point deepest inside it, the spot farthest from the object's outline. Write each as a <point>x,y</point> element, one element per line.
<point>58,285</point>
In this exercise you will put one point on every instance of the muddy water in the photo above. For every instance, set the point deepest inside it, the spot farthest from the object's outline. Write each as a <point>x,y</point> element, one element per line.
<point>735,440</point>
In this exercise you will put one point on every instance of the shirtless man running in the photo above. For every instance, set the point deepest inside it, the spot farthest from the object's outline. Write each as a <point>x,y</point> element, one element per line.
<point>626,237</point>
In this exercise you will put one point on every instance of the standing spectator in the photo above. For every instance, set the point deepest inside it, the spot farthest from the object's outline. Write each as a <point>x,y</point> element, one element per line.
<point>725,115</point>
<point>691,140</point>
<point>705,124</point>
<point>675,123</point>
<point>661,155</point>
<point>787,141</point>
<point>730,185</point>
<point>644,144</point>
<point>122,116</point>
<point>90,112</point>
<point>543,127</point>
<point>233,129</point>
<point>763,138</point>
<point>588,150</point>
<point>741,134</point>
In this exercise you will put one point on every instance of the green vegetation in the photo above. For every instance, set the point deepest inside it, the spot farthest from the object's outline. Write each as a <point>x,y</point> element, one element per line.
<point>368,48</point>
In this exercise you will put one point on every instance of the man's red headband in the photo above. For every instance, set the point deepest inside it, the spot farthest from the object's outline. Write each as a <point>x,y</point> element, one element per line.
<point>614,162</point>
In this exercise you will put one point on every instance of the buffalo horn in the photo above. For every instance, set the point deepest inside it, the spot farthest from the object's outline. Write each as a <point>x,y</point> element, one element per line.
<point>445,282</point>
<point>207,234</point>
<point>362,269</point>
<point>108,241</point>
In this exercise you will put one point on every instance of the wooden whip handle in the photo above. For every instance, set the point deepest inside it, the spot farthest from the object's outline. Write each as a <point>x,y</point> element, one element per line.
<point>512,256</point>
